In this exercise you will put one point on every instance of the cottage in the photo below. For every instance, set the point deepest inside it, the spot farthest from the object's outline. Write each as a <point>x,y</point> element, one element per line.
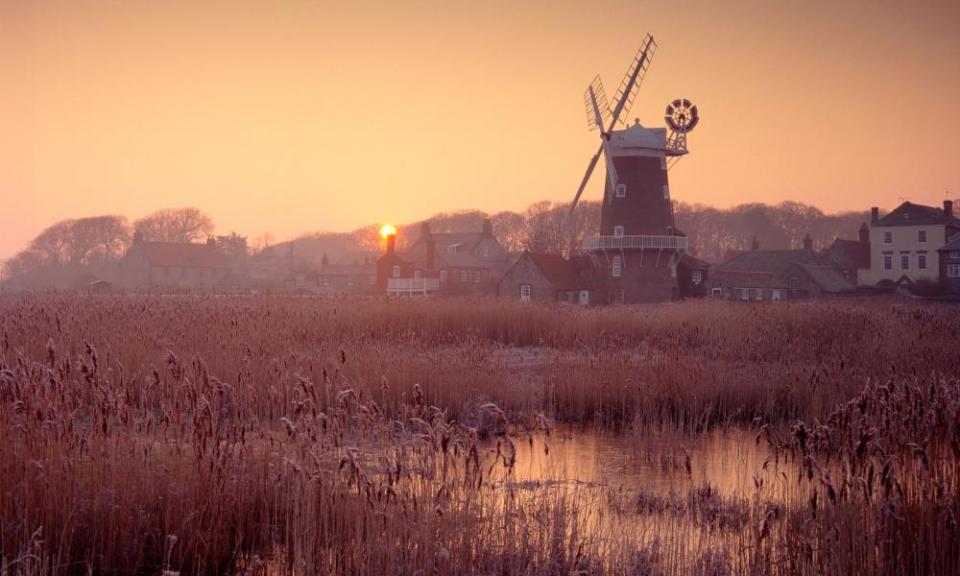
<point>547,278</point>
<point>452,263</point>
<point>853,256</point>
<point>173,265</point>
<point>904,243</point>
<point>949,255</point>
<point>778,275</point>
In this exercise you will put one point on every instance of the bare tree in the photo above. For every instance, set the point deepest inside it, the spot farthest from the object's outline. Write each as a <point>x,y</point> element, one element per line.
<point>174,225</point>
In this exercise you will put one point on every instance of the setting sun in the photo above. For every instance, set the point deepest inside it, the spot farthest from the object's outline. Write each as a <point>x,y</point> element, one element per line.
<point>388,230</point>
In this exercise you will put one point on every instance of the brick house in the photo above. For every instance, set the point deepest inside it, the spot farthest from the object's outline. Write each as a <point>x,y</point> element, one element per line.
<point>853,256</point>
<point>450,263</point>
<point>949,255</point>
<point>778,275</point>
<point>548,278</point>
<point>173,266</point>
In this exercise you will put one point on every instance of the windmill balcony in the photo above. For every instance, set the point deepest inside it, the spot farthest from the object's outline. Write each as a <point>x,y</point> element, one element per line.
<point>639,242</point>
<point>412,286</point>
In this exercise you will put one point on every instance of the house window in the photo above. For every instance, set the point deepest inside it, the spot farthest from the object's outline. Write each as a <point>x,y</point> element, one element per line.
<point>416,274</point>
<point>618,231</point>
<point>524,292</point>
<point>922,260</point>
<point>617,266</point>
<point>888,237</point>
<point>453,248</point>
<point>921,236</point>
<point>697,276</point>
<point>955,254</point>
<point>794,283</point>
<point>443,276</point>
<point>621,190</point>
<point>953,271</point>
<point>463,275</point>
<point>888,261</point>
<point>584,297</point>
<point>666,192</point>
<point>775,295</point>
<point>757,294</point>
<point>485,252</point>
<point>396,271</point>
<point>744,293</point>
<point>904,261</point>
<point>616,297</point>
<point>717,292</point>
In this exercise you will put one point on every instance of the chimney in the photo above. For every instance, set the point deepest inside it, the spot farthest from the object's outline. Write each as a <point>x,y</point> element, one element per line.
<point>754,244</point>
<point>864,233</point>
<point>948,209</point>
<point>391,243</point>
<point>874,215</point>
<point>807,242</point>
<point>487,228</point>
<point>431,252</point>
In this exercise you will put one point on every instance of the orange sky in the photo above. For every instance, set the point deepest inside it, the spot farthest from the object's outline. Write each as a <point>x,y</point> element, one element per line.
<point>297,116</point>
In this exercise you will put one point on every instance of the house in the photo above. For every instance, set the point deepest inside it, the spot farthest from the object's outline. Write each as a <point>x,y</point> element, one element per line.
<point>173,265</point>
<point>547,278</point>
<point>357,278</point>
<point>451,263</point>
<point>904,243</point>
<point>949,256</point>
<point>778,275</point>
<point>853,256</point>
<point>692,276</point>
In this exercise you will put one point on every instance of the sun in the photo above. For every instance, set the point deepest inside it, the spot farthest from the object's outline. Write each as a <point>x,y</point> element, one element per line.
<point>388,230</point>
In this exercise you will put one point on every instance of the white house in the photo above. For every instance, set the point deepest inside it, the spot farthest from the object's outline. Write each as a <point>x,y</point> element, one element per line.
<point>904,243</point>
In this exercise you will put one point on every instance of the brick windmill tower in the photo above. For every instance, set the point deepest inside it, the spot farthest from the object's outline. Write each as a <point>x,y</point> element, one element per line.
<point>639,249</point>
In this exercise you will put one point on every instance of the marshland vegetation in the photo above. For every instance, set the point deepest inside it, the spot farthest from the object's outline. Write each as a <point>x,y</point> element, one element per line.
<point>222,435</point>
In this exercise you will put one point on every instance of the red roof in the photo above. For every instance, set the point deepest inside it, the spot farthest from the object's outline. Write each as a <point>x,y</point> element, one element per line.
<point>562,273</point>
<point>183,254</point>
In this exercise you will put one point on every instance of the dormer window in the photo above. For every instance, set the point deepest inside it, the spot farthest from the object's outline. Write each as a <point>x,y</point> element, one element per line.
<point>396,271</point>
<point>621,190</point>
<point>618,231</point>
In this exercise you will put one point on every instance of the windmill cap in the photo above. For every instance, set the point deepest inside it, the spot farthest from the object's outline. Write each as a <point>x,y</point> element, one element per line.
<point>640,138</point>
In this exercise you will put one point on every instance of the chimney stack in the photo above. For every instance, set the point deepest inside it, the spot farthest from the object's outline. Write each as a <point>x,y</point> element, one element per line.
<point>865,233</point>
<point>874,215</point>
<point>807,242</point>
<point>427,236</point>
<point>487,228</point>
<point>948,209</point>
<point>391,243</point>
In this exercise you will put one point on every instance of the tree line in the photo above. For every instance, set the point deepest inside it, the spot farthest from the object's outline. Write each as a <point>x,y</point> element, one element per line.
<point>85,246</point>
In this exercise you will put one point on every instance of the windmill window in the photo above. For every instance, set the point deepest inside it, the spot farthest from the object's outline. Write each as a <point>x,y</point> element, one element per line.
<point>621,190</point>
<point>618,231</point>
<point>524,292</point>
<point>666,192</point>
<point>617,266</point>
<point>396,271</point>
<point>921,236</point>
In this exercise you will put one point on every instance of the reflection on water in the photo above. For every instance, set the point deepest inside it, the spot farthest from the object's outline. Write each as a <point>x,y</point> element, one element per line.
<point>731,462</point>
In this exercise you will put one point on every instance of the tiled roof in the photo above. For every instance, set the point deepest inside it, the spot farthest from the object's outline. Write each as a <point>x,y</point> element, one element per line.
<point>910,214</point>
<point>747,279</point>
<point>850,254</point>
<point>953,243</point>
<point>773,260</point>
<point>562,273</point>
<point>829,279</point>
<point>693,262</point>
<point>183,254</point>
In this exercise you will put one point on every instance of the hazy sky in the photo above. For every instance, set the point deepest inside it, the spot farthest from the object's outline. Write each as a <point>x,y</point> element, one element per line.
<point>295,116</point>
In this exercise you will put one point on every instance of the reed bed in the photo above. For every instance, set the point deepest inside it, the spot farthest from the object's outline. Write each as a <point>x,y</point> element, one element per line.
<point>207,435</point>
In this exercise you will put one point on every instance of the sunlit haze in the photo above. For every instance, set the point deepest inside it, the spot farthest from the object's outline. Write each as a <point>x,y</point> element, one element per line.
<point>300,116</point>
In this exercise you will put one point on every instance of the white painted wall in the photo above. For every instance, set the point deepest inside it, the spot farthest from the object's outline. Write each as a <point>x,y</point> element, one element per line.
<point>905,240</point>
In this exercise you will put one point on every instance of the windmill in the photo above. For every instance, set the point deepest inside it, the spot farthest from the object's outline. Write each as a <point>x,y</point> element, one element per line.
<point>681,116</point>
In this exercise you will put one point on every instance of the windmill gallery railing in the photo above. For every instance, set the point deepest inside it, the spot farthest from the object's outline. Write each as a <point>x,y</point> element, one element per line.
<point>635,243</point>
